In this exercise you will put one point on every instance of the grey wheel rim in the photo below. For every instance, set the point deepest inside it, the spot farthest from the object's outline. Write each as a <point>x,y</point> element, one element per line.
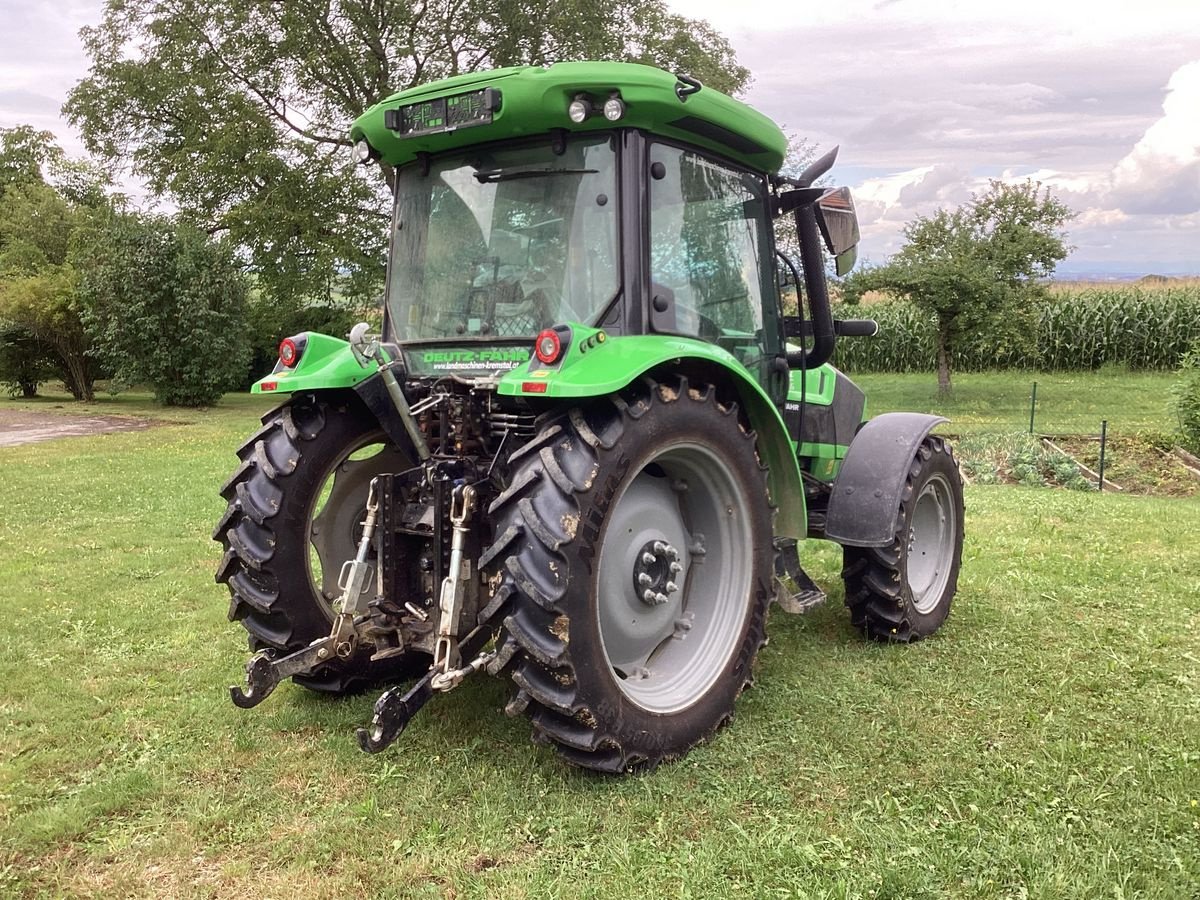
<point>931,543</point>
<point>334,524</point>
<point>675,578</point>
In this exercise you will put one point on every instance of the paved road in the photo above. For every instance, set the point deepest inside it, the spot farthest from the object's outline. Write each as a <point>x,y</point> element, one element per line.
<point>21,427</point>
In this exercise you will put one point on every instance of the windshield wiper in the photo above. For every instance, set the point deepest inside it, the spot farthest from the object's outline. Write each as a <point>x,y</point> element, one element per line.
<point>491,176</point>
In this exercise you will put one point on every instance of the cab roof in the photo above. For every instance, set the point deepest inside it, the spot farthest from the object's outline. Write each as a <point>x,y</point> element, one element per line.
<point>531,100</point>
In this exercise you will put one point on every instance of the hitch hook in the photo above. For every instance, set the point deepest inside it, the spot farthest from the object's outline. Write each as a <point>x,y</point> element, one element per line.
<point>261,680</point>
<point>393,712</point>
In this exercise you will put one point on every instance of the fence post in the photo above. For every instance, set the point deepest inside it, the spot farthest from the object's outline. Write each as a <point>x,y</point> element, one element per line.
<point>1103,442</point>
<point>1032,407</point>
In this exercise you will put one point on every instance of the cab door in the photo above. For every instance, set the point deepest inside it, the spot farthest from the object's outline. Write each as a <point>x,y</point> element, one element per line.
<point>712,262</point>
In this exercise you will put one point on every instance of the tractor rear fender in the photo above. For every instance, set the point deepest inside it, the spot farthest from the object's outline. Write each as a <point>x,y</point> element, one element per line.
<point>591,368</point>
<point>326,365</point>
<point>866,493</point>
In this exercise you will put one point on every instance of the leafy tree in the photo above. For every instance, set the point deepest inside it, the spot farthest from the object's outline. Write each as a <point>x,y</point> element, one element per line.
<point>165,305</point>
<point>37,282</point>
<point>44,197</point>
<point>238,109</point>
<point>24,153</point>
<point>28,156</point>
<point>978,268</point>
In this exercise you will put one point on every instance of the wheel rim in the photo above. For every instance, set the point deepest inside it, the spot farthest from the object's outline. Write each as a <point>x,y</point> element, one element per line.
<point>931,543</point>
<point>680,531</point>
<point>334,522</point>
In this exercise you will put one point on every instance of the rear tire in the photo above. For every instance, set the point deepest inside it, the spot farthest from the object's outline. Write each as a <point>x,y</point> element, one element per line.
<point>268,524</point>
<point>902,592</point>
<point>661,482</point>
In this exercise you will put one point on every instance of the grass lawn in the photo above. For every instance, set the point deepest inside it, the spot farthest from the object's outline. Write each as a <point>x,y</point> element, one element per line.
<point>1067,402</point>
<point>1045,744</point>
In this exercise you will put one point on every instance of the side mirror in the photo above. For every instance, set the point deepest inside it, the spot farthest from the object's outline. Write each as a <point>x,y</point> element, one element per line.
<point>364,346</point>
<point>839,227</point>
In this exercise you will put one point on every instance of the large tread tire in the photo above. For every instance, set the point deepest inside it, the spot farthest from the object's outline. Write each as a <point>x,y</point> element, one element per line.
<point>264,532</point>
<point>550,527</point>
<point>878,592</point>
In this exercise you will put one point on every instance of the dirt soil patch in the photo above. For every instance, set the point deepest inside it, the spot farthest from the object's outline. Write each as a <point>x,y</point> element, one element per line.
<point>21,427</point>
<point>1137,465</point>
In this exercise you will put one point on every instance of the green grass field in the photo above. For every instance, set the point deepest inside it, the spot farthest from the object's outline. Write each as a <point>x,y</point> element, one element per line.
<point>1045,744</point>
<point>1067,402</point>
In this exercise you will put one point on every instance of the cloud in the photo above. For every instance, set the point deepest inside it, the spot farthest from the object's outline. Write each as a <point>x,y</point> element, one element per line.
<point>25,102</point>
<point>1162,172</point>
<point>938,184</point>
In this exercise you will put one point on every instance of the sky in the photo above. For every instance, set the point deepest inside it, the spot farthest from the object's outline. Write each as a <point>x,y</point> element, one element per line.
<point>1098,100</point>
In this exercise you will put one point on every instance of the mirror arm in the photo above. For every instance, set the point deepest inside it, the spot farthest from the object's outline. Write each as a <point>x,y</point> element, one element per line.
<point>824,340</point>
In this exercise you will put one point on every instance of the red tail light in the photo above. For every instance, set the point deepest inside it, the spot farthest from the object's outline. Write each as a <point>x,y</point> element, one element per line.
<point>547,347</point>
<point>289,353</point>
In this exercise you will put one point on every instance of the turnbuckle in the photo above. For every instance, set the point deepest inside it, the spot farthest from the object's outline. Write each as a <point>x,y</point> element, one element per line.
<point>445,681</point>
<point>450,600</point>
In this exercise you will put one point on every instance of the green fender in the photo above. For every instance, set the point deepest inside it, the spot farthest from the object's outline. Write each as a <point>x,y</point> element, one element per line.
<point>596,364</point>
<point>325,363</point>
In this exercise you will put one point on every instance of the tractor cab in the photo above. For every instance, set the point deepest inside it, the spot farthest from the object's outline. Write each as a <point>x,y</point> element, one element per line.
<point>643,204</point>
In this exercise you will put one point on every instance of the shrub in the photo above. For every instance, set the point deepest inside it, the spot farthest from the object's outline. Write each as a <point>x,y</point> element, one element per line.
<point>165,306</point>
<point>24,363</point>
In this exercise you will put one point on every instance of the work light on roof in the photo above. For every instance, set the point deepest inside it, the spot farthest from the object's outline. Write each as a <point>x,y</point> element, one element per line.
<point>614,108</point>
<point>363,152</point>
<point>580,109</point>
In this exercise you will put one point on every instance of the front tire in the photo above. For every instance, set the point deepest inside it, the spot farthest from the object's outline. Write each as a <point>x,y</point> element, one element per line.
<point>634,549</point>
<point>294,507</point>
<point>902,592</point>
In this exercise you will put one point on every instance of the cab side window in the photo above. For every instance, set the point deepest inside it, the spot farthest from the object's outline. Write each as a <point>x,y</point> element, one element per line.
<point>710,249</point>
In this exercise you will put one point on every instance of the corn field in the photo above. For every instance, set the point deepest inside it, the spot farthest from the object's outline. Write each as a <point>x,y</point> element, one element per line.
<point>1076,329</point>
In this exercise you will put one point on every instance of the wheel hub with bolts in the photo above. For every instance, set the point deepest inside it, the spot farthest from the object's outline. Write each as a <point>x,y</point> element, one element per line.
<point>656,573</point>
<point>667,633</point>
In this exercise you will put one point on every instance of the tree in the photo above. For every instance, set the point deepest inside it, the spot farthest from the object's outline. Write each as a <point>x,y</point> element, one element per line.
<point>37,283</point>
<point>164,305</point>
<point>238,109</point>
<point>28,156</point>
<point>44,198</point>
<point>978,268</point>
<point>24,153</point>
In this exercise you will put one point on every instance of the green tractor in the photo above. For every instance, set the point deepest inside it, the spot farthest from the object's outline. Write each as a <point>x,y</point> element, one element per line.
<point>583,451</point>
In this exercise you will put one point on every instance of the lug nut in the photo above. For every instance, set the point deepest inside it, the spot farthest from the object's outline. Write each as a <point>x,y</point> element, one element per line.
<point>644,580</point>
<point>661,598</point>
<point>676,568</point>
<point>649,558</point>
<point>672,587</point>
<point>660,547</point>
<point>648,596</point>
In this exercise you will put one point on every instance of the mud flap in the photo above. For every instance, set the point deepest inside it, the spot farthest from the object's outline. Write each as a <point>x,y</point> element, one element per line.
<point>866,495</point>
